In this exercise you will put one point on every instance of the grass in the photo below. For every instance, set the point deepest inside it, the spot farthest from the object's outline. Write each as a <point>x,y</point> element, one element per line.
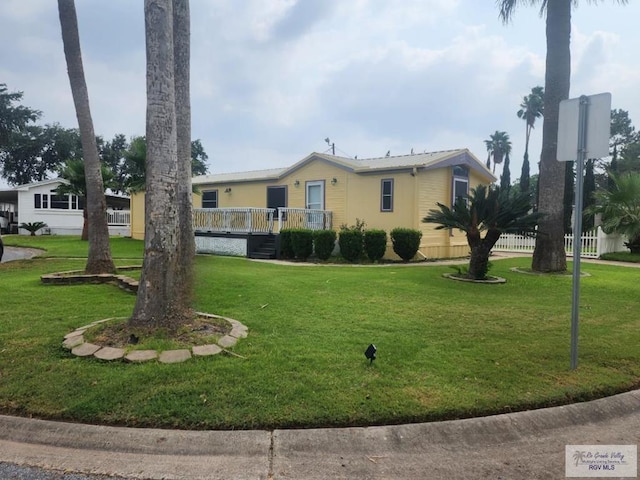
<point>622,257</point>
<point>70,246</point>
<point>445,349</point>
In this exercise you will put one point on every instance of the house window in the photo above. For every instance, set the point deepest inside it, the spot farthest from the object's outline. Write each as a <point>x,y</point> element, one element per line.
<point>460,183</point>
<point>386,195</point>
<point>210,199</point>
<point>60,202</point>
<point>41,200</point>
<point>276,197</point>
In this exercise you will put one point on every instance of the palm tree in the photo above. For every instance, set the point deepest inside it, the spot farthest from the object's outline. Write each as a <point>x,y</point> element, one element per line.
<point>498,147</point>
<point>490,210</point>
<point>99,259</point>
<point>549,254</point>
<point>73,171</point>
<point>531,108</point>
<point>186,242</point>
<point>620,208</point>
<point>160,301</point>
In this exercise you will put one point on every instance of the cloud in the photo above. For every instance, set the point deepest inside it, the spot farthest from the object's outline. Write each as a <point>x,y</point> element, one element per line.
<point>272,78</point>
<point>300,17</point>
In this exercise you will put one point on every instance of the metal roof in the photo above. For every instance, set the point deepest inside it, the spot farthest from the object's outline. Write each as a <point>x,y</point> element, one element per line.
<point>254,175</point>
<point>425,160</point>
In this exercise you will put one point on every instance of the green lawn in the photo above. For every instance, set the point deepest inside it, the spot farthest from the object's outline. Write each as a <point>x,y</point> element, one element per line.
<point>70,246</point>
<point>622,257</point>
<point>445,349</point>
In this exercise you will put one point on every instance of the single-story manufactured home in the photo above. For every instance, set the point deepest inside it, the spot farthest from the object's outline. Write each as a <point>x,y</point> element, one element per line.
<point>39,202</point>
<point>240,213</point>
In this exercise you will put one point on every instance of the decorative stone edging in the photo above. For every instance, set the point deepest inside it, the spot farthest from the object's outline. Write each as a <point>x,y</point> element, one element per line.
<point>75,342</point>
<point>490,279</point>
<point>78,276</point>
<point>531,272</point>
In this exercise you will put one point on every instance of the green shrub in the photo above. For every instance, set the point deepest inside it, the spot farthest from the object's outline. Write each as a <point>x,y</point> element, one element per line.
<point>302,243</point>
<point>351,244</point>
<point>406,242</point>
<point>33,227</point>
<point>375,244</point>
<point>324,241</point>
<point>286,248</point>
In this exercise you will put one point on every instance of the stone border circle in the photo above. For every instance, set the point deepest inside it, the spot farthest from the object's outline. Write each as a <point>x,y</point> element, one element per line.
<point>489,280</point>
<point>530,272</point>
<point>75,342</point>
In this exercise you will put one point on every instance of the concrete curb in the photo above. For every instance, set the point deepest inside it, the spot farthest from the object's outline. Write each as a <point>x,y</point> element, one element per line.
<point>517,445</point>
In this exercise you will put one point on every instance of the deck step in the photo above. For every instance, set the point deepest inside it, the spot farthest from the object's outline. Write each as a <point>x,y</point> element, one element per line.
<point>266,250</point>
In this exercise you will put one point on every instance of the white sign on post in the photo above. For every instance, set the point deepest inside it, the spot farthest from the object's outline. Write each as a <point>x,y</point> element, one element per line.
<point>583,132</point>
<point>598,127</point>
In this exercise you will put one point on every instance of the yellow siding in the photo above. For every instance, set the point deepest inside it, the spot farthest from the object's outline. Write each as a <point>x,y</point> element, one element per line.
<point>333,194</point>
<point>137,216</point>
<point>436,186</point>
<point>364,200</point>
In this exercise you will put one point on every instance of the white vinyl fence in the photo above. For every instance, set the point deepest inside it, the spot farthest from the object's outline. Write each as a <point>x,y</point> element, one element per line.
<point>593,243</point>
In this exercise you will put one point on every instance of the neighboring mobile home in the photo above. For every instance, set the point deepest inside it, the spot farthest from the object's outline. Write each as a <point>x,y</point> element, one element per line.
<point>39,202</point>
<point>327,191</point>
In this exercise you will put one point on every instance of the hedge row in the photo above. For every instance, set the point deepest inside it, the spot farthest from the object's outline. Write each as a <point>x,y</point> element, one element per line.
<point>355,243</point>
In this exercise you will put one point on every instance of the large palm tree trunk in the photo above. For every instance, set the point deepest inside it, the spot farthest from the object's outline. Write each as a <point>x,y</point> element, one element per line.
<point>160,302</point>
<point>186,243</point>
<point>549,254</point>
<point>99,259</point>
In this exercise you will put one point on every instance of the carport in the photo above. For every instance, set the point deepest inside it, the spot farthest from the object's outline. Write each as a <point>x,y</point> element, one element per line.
<point>9,211</point>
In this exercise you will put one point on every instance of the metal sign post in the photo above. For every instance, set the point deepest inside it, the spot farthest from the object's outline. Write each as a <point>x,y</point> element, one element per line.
<point>583,115</point>
<point>592,117</point>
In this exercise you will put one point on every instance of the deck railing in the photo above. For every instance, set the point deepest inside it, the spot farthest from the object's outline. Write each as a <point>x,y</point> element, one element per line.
<point>119,217</point>
<point>258,220</point>
<point>304,218</point>
<point>592,244</point>
<point>233,220</point>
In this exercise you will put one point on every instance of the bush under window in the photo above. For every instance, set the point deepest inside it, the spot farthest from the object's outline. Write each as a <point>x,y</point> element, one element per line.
<point>406,242</point>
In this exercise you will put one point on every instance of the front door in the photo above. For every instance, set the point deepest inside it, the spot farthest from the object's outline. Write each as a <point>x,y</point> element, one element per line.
<point>315,201</point>
<point>277,198</point>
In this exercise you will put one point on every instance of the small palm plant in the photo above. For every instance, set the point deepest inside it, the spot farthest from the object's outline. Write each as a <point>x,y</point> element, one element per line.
<point>73,171</point>
<point>33,227</point>
<point>620,208</point>
<point>490,210</point>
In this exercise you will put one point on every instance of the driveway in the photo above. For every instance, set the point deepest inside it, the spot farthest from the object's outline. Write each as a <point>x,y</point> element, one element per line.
<point>17,253</point>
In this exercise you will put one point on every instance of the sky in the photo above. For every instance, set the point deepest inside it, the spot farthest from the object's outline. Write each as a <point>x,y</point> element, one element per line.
<point>272,79</point>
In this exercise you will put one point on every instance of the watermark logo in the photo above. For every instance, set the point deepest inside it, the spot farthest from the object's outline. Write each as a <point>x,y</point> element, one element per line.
<point>601,461</point>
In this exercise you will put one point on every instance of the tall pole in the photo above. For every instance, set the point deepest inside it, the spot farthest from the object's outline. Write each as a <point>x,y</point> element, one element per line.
<point>583,113</point>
